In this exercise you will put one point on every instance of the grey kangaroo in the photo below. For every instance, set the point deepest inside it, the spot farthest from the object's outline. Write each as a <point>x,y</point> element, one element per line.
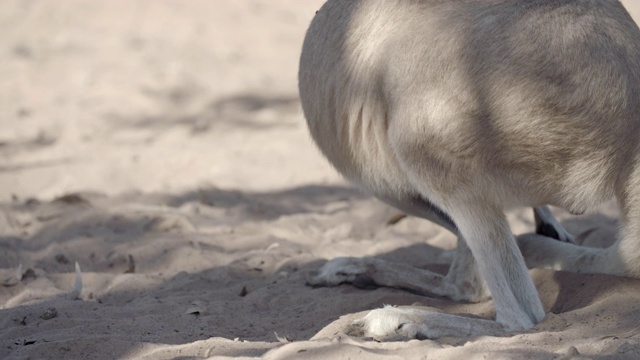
<point>458,110</point>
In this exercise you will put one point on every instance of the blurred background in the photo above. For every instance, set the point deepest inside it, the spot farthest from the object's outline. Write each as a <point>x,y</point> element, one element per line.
<point>117,96</point>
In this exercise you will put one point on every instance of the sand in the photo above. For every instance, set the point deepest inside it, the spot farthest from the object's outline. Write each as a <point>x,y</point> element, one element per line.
<point>161,146</point>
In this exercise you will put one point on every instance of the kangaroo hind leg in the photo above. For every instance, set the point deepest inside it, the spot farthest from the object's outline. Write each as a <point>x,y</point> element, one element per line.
<point>548,225</point>
<point>462,282</point>
<point>622,258</point>
<point>498,258</point>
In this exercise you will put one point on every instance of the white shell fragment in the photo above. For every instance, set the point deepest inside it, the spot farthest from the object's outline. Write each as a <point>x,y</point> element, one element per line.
<point>77,286</point>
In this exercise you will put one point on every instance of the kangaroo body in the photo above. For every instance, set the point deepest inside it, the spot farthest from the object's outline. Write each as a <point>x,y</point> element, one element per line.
<point>456,111</point>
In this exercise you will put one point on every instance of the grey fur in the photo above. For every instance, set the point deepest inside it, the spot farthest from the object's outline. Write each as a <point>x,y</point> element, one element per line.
<point>457,110</point>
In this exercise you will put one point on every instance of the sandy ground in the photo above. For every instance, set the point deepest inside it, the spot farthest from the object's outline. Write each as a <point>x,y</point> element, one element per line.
<point>160,145</point>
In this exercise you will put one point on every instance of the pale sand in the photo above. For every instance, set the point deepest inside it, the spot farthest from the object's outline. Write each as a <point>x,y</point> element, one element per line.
<point>196,203</point>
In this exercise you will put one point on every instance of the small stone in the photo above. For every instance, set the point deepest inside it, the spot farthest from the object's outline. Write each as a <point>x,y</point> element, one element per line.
<point>49,314</point>
<point>60,258</point>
